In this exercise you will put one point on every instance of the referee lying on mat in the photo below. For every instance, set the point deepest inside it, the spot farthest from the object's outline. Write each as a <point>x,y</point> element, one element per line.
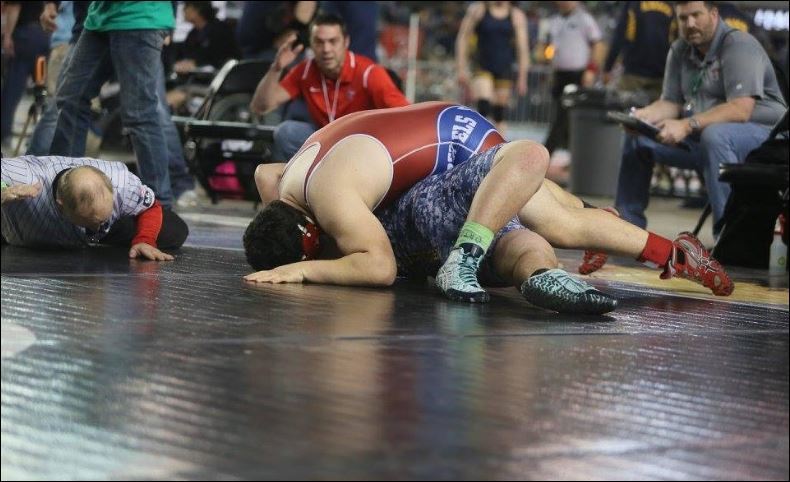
<point>62,202</point>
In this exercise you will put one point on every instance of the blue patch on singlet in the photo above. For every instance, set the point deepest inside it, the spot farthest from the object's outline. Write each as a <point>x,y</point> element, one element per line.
<point>461,134</point>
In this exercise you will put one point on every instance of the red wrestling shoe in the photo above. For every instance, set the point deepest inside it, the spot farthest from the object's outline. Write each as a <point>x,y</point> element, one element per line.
<point>692,261</point>
<point>594,260</point>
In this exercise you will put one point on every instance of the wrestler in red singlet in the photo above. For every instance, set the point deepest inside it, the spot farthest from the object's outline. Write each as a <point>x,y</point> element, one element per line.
<point>422,139</point>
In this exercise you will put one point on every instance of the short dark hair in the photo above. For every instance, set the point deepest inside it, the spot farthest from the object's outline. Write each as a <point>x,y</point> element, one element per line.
<point>273,238</point>
<point>709,5</point>
<point>205,9</point>
<point>330,19</point>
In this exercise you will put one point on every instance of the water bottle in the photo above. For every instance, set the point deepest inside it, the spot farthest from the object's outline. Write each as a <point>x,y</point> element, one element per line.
<point>777,262</point>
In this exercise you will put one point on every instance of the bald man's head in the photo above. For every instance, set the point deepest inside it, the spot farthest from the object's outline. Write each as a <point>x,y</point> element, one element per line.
<point>84,194</point>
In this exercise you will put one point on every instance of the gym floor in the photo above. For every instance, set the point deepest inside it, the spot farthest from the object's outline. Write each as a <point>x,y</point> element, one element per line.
<point>141,370</point>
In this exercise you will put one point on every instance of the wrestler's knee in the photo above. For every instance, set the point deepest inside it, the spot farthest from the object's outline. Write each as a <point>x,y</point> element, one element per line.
<point>527,155</point>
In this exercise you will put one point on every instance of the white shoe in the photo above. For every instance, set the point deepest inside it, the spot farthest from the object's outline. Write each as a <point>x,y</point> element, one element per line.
<point>188,199</point>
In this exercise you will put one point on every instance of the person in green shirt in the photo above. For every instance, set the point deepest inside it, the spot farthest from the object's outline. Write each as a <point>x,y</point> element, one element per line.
<point>125,39</point>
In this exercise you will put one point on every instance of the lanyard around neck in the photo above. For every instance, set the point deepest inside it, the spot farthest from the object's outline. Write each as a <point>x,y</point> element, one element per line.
<point>696,82</point>
<point>331,114</point>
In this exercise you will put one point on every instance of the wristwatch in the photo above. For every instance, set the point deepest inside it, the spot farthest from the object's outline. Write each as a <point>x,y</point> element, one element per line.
<point>694,124</point>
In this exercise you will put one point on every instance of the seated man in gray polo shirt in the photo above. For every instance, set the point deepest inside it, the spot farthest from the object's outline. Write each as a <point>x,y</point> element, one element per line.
<point>720,95</point>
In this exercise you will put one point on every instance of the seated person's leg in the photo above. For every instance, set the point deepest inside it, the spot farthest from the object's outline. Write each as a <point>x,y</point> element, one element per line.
<point>727,143</point>
<point>636,169</point>
<point>289,137</point>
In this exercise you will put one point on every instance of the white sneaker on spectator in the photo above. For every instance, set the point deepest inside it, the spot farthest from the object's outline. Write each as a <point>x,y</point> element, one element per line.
<point>188,199</point>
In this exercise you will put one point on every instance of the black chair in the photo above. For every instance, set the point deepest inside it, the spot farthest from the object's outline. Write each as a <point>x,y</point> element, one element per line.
<point>223,129</point>
<point>759,194</point>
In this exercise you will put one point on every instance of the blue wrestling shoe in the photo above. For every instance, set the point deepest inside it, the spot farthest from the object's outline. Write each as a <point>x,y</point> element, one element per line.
<point>457,278</point>
<point>556,290</point>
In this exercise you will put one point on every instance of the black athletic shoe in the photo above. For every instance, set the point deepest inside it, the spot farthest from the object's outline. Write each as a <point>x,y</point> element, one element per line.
<point>556,290</point>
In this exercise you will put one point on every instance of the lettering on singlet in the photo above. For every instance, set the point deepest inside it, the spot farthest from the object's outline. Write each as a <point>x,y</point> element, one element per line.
<point>461,131</point>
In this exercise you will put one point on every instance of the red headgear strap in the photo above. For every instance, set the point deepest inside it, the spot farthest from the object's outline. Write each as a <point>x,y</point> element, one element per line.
<point>310,236</point>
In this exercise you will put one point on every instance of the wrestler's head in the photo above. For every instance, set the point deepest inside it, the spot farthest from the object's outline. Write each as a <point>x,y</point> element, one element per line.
<point>280,234</point>
<point>84,196</point>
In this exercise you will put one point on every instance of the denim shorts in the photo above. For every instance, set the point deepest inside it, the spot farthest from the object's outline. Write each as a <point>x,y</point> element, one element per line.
<point>424,223</point>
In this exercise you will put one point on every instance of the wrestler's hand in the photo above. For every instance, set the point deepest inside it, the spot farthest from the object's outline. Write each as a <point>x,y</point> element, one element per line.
<point>147,251</point>
<point>673,130</point>
<point>20,192</point>
<point>290,273</point>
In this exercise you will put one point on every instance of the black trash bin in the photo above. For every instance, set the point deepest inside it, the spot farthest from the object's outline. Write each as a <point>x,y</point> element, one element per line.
<point>596,144</point>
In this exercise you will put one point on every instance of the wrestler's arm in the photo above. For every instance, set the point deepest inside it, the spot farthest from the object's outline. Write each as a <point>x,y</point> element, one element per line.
<point>267,179</point>
<point>368,258</point>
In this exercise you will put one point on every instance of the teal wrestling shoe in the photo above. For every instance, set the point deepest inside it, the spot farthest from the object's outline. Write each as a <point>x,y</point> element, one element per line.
<point>457,278</point>
<point>556,290</point>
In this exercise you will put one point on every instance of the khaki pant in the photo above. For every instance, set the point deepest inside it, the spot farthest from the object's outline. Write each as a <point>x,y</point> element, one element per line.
<point>56,57</point>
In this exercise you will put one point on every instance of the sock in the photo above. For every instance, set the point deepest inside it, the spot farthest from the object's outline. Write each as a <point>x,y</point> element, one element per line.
<point>539,271</point>
<point>483,107</point>
<point>498,112</point>
<point>656,252</point>
<point>476,234</point>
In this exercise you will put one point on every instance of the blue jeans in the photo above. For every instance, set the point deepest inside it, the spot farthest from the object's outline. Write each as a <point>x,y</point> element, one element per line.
<point>726,143</point>
<point>42,136</point>
<point>289,137</point>
<point>29,43</point>
<point>180,178</point>
<point>135,57</point>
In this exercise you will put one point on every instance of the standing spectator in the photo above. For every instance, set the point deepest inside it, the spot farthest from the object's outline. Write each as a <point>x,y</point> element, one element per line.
<point>335,83</point>
<point>23,42</point>
<point>263,26</point>
<point>362,20</point>
<point>501,31</point>
<point>642,35</point>
<point>54,19</point>
<point>720,96</point>
<point>125,38</point>
<point>735,18</point>
<point>577,50</point>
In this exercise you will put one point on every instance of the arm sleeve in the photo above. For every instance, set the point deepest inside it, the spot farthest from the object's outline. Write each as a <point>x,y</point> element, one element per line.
<point>592,30</point>
<point>149,223</point>
<point>618,38</point>
<point>383,91</point>
<point>293,80</point>
<point>133,196</point>
<point>15,171</point>
<point>743,67</point>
